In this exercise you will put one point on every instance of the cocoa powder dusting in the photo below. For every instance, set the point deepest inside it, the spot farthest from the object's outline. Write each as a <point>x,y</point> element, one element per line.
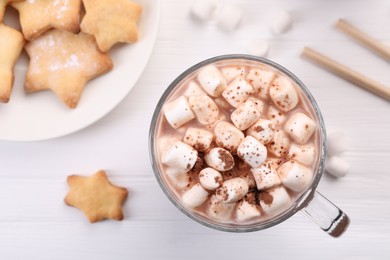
<point>226,158</point>
<point>266,197</point>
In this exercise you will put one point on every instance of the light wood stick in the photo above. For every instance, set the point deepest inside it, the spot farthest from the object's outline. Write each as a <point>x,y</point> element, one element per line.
<point>364,39</point>
<point>347,73</point>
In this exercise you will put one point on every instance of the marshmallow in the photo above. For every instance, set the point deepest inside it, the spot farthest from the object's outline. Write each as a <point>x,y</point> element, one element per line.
<point>232,190</point>
<point>304,154</point>
<point>275,200</point>
<point>233,72</point>
<point>266,176</point>
<point>261,81</point>
<point>295,176</point>
<point>179,178</point>
<point>283,94</point>
<point>198,138</point>
<point>193,89</point>
<point>210,179</point>
<point>336,143</point>
<point>180,155</point>
<point>262,130</point>
<point>237,91</point>
<point>277,117</point>
<point>258,48</point>
<point>246,211</point>
<point>228,136</point>
<point>280,144</point>
<point>222,103</point>
<point>337,166</point>
<point>300,127</point>
<point>281,22</point>
<point>205,109</point>
<point>245,115</point>
<point>220,210</point>
<point>229,17</point>
<point>203,9</point>
<point>252,151</point>
<point>178,112</point>
<point>195,196</point>
<point>258,103</point>
<point>219,159</point>
<point>222,117</point>
<point>212,81</point>
<point>167,141</point>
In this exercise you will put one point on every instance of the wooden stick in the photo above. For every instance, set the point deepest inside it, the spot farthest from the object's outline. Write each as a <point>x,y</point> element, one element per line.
<point>364,39</point>
<point>347,73</point>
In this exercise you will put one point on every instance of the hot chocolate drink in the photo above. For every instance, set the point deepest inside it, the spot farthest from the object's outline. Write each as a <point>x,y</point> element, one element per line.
<point>237,142</point>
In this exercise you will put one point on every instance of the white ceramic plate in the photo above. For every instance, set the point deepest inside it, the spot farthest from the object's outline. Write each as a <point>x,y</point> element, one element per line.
<point>41,115</point>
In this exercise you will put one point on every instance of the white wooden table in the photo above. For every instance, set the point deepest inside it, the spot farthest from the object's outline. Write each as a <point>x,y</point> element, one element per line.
<point>36,224</point>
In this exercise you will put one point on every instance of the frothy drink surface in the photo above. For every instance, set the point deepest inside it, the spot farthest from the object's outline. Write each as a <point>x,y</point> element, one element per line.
<point>237,142</point>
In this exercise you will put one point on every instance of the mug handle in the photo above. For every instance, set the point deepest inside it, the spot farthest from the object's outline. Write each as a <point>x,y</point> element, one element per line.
<point>326,215</point>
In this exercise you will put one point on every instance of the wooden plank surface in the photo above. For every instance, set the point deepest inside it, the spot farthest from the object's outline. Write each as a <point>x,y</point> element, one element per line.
<point>35,223</point>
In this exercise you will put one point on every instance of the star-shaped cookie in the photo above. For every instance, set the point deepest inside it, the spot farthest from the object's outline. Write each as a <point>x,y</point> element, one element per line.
<point>38,16</point>
<point>64,62</point>
<point>96,197</point>
<point>11,45</point>
<point>3,4</point>
<point>111,21</point>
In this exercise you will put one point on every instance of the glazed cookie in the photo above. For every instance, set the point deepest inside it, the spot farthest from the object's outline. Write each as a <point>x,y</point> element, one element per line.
<point>3,4</point>
<point>11,45</point>
<point>111,21</point>
<point>96,197</point>
<point>64,62</point>
<point>38,16</point>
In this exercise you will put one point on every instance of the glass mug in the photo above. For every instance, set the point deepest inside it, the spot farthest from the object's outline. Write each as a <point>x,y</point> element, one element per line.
<point>311,203</point>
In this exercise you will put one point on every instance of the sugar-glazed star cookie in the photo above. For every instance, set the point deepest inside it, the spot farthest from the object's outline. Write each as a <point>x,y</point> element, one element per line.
<point>64,62</point>
<point>96,197</point>
<point>111,21</point>
<point>3,4</point>
<point>11,45</point>
<point>38,16</point>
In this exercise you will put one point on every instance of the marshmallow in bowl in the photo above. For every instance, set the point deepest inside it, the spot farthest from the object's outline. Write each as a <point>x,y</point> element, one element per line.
<point>220,210</point>
<point>193,89</point>
<point>229,17</point>
<point>304,154</point>
<point>283,94</point>
<point>237,91</point>
<point>276,116</point>
<point>337,166</point>
<point>210,178</point>
<point>262,130</point>
<point>228,136</point>
<point>266,176</point>
<point>245,115</point>
<point>274,200</point>
<point>261,81</point>
<point>232,190</point>
<point>203,10</point>
<point>300,127</point>
<point>180,155</point>
<point>206,111</point>
<point>281,22</point>
<point>233,72</point>
<point>179,178</point>
<point>219,159</point>
<point>258,103</point>
<point>198,138</point>
<point>279,144</point>
<point>178,112</point>
<point>195,196</point>
<point>246,211</point>
<point>212,81</point>
<point>252,151</point>
<point>294,176</point>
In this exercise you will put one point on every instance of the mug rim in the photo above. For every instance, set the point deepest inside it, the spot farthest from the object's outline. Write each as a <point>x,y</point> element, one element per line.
<point>298,204</point>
